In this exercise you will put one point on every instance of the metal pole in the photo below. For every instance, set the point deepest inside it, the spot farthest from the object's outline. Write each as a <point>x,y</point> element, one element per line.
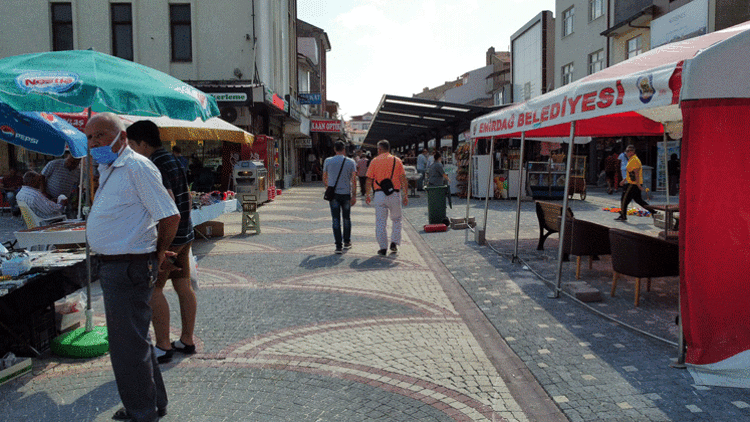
<point>666,166</point>
<point>520,193</point>
<point>564,211</point>
<point>471,179</point>
<point>490,191</point>
<point>89,201</point>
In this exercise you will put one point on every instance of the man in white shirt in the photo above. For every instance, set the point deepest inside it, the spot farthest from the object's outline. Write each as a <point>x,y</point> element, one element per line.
<point>32,195</point>
<point>130,227</point>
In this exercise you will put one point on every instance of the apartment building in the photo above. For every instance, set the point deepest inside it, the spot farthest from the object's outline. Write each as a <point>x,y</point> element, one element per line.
<point>580,50</point>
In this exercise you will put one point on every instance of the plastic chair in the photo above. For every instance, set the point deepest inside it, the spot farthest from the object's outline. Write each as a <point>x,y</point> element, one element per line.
<point>32,220</point>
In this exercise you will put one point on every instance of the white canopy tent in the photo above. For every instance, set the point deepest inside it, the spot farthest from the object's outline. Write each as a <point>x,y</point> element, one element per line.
<point>641,96</point>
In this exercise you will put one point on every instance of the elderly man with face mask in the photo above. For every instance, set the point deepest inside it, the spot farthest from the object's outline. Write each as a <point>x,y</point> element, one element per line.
<point>131,224</point>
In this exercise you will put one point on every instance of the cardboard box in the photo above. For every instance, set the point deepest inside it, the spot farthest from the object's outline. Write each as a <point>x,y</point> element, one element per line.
<point>71,321</point>
<point>211,229</point>
<point>22,366</point>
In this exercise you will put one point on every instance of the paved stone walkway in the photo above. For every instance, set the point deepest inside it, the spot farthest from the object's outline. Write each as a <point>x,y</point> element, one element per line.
<point>445,330</point>
<point>287,330</point>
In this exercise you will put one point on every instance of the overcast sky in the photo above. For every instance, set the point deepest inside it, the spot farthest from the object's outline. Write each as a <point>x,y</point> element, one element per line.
<point>399,47</point>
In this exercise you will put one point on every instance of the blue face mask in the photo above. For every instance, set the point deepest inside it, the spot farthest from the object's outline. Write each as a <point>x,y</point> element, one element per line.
<point>104,155</point>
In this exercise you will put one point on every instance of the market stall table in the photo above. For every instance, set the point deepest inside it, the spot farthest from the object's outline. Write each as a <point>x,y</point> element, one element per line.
<point>27,301</point>
<point>670,233</point>
<point>63,233</point>
<point>209,212</point>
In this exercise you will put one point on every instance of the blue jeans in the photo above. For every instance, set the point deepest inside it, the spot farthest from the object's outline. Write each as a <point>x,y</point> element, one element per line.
<point>341,204</point>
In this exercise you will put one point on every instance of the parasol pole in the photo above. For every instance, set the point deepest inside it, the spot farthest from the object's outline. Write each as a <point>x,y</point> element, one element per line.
<point>666,165</point>
<point>88,341</point>
<point>564,216</point>
<point>520,193</point>
<point>80,186</point>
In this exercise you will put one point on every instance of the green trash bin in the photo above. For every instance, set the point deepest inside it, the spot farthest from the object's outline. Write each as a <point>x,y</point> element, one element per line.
<point>436,196</point>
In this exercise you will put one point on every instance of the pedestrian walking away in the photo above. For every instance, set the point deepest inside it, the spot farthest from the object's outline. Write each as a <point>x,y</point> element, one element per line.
<point>362,172</point>
<point>345,183</point>
<point>634,185</point>
<point>385,178</point>
<point>130,227</point>
<point>143,138</point>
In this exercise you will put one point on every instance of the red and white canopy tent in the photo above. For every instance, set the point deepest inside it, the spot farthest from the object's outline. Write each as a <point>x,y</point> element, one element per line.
<point>700,87</point>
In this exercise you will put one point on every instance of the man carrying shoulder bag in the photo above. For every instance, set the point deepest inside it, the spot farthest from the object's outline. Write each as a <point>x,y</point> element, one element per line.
<point>386,177</point>
<point>344,193</point>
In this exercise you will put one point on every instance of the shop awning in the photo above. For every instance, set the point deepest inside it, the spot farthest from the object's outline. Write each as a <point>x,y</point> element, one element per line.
<point>408,120</point>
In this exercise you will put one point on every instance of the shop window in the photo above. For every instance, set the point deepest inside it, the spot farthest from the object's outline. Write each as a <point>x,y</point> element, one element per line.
<point>567,22</point>
<point>596,61</point>
<point>62,26</point>
<point>635,46</point>
<point>567,74</point>
<point>122,30</point>
<point>181,32</point>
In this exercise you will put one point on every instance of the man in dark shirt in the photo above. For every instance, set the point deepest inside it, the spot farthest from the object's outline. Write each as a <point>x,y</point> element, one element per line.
<point>143,138</point>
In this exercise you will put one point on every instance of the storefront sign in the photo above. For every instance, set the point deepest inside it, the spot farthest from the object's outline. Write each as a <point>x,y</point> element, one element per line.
<point>690,20</point>
<point>303,143</point>
<point>330,126</point>
<point>230,97</point>
<point>310,98</point>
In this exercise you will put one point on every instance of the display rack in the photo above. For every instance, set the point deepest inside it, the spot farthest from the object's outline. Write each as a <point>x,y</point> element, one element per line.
<point>546,179</point>
<point>462,169</point>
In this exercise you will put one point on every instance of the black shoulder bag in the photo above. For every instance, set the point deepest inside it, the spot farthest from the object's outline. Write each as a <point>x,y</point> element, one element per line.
<point>386,185</point>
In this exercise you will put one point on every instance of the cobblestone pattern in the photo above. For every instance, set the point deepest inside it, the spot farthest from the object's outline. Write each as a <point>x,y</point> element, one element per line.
<point>287,330</point>
<point>593,368</point>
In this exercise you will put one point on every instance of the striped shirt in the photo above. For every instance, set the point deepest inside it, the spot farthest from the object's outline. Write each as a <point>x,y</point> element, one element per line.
<point>174,179</point>
<point>38,203</point>
<point>60,180</point>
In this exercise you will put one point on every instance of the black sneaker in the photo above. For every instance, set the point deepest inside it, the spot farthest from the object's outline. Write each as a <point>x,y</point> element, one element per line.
<point>394,247</point>
<point>339,251</point>
<point>621,218</point>
<point>163,356</point>
<point>123,415</point>
<point>179,346</point>
<point>382,252</point>
<point>348,245</point>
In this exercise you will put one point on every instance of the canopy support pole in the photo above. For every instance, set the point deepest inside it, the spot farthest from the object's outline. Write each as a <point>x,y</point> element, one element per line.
<point>490,191</point>
<point>469,182</point>
<point>520,193</point>
<point>666,166</point>
<point>564,216</point>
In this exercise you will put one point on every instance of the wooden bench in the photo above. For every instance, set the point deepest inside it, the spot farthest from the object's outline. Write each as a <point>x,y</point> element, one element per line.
<point>549,215</point>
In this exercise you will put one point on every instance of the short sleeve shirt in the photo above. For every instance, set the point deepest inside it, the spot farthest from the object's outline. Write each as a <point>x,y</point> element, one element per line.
<point>131,199</point>
<point>60,180</point>
<point>332,166</point>
<point>380,169</point>
<point>635,168</point>
<point>174,179</point>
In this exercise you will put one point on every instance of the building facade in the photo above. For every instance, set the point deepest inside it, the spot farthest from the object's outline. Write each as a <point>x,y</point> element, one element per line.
<point>242,51</point>
<point>532,50</point>
<point>580,50</point>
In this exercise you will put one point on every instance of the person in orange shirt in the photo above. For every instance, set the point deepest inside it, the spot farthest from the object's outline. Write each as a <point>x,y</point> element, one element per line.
<point>387,196</point>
